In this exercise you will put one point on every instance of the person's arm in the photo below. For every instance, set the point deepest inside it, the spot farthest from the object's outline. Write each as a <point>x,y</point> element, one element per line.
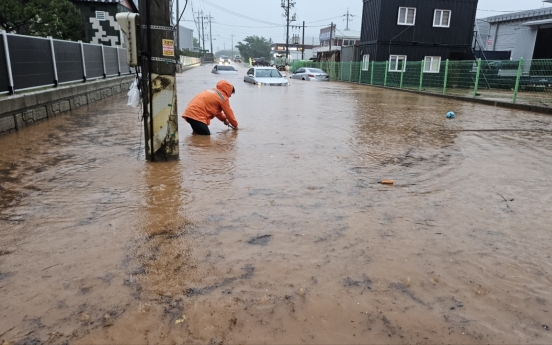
<point>229,114</point>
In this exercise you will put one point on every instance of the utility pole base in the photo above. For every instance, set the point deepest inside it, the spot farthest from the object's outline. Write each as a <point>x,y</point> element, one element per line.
<point>165,119</point>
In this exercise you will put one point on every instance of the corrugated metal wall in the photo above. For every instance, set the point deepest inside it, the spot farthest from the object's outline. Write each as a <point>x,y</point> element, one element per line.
<point>506,35</point>
<point>459,33</point>
<point>370,21</point>
<point>4,81</point>
<point>379,24</point>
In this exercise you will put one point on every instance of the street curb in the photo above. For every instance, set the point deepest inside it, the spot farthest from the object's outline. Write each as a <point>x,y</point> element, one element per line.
<point>21,110</point>
<point>516,106</point>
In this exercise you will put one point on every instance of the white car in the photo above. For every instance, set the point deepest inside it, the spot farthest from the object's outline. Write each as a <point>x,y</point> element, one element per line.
<point>224,69</point>
<point>265,76</point>
<point>310,74</point>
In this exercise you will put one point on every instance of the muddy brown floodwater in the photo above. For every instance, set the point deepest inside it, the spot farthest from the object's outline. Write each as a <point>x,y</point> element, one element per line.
<point>280,233</point>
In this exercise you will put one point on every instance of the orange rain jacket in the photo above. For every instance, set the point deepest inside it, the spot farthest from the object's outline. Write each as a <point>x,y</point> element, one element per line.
<point>210,103</point>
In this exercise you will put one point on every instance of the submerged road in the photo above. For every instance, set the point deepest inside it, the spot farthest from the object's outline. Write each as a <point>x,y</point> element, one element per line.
<point>280,232</point>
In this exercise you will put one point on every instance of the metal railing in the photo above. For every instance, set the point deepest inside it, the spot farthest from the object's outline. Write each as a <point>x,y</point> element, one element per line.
<point>523,81</point>
<point>28,62</point>
<point>189,61</point>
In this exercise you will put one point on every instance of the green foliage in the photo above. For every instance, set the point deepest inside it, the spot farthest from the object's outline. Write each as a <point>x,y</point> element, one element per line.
<point>254,46</point>
<point>57,18</point>
<point>186,52</point>
<point>226,52</point>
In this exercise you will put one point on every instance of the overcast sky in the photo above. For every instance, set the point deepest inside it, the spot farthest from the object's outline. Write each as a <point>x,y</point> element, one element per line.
<point>265,17</point>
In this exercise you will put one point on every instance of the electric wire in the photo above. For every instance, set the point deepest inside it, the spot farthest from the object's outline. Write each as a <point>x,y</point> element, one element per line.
<point>236,14</point>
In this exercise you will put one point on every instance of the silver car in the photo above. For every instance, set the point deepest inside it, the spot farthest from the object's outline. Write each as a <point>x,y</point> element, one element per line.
<point>223,69</point>
<point>265,76</point>
<point>308,73</point>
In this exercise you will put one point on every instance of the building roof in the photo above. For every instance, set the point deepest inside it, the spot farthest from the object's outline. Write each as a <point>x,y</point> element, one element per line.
<point>523,15</point>
<point>106,1</point>
<point>130,4</point>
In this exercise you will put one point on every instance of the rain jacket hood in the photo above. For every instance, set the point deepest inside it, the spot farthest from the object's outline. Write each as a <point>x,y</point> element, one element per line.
<point>225,87</point>
<point>212,103</point>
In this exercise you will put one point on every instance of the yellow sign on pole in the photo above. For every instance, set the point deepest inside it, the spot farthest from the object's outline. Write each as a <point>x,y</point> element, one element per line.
<point>168,48</point>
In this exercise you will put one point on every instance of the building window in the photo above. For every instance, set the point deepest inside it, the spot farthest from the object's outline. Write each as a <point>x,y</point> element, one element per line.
<point>397,63</point>
<point>100,15</point>
<point>407,16</point>
<point>441,19</point>
<point>432,64</point>
<point>365,62</point>
<point>347,43</point>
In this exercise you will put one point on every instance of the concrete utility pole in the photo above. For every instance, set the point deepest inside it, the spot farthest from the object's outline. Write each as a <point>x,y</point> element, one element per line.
<point>177,26</point>
<point>347,19</point>
<point>303,48</point>
<point>331,37</point>
<point>232,38</point>
<point>211,32</point>
<point>203,33</point>
<point>158,66</point>
<point>287,5</point>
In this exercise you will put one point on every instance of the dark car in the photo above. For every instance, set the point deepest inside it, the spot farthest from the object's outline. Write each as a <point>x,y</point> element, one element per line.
<point>260,62</point>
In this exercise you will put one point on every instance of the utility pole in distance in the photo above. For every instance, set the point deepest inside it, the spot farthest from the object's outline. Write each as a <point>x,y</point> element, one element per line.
<point>287,5</point>
<point>331,37</point>
<point>303,49</point>
<point>232,38</point>
<point>158,66</point>
<point>211,32</point>
<point>347,19</point>
<point>201,32</point>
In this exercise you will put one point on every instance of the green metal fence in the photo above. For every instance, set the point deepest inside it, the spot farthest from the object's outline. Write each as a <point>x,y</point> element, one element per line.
<point>523,81</point>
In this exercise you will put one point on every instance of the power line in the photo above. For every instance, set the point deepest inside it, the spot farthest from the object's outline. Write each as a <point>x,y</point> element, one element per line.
<point>237,14</point>
<point>323,20</point>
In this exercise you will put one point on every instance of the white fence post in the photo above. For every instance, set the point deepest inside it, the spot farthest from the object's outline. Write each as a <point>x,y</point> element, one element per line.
<point>8,62</point>
<point>56,80</point>
<point>103,62</point>
<point>118,62</point>
<point>83,63</point>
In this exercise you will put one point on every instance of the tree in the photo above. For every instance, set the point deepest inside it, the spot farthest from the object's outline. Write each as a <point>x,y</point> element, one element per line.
<point>57,18</point>
<point>255,46</point>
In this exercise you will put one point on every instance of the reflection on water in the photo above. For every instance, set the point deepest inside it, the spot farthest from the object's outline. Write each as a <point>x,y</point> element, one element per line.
<point>280,231</point>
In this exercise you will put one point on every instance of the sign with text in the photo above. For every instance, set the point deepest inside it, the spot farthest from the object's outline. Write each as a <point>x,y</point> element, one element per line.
<point>325,34</point>
<point>168,48</point>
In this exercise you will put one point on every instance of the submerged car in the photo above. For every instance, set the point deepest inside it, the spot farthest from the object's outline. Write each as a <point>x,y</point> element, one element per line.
<point>310,74</point>
<point>237,58</point>
<point>224,69</point>
<point>265,76</point>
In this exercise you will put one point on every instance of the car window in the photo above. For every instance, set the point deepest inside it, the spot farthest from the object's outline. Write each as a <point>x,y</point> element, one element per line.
<point>250,71</point>
<point>268,73</point>
<point>300,70</point>
<point>226,68</point>
<point>316,70</point>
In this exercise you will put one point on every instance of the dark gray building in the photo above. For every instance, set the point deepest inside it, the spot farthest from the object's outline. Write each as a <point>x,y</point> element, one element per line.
<point>526,34</point>
<point>417,30</point>
<point>100,25</point>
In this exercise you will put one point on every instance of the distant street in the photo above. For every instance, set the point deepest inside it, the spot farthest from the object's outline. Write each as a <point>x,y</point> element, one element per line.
<point>280,232</point>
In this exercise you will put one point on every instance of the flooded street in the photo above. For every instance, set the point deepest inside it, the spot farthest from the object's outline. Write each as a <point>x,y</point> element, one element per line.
<point>281,232</point>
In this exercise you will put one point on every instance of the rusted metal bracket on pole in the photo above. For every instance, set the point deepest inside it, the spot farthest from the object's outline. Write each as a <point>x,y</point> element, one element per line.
<point>157,27</point>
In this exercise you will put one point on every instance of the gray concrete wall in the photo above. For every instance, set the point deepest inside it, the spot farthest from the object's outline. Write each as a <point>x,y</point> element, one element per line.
<point>21,110</point>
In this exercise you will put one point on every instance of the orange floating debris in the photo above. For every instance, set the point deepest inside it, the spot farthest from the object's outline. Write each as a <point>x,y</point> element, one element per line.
<point>387,181</point>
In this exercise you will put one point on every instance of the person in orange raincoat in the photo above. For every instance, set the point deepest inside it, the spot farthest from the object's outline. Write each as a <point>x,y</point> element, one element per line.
<point>209,104</point>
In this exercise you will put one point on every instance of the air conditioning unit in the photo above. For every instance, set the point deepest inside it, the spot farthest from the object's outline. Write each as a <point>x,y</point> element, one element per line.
<point>129,25</point>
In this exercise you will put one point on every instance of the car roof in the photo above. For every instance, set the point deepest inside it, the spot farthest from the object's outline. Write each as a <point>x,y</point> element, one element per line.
<point>263,67</point>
